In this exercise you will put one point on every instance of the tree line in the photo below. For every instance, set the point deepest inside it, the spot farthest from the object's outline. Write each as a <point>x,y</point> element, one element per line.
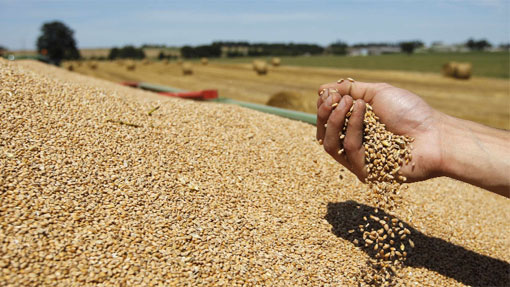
<point>240,49</point>
<point>126,52</point>
<point>57,43</point>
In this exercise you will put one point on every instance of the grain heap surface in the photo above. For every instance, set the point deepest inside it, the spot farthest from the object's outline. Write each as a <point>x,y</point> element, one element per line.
<point>94,191</point>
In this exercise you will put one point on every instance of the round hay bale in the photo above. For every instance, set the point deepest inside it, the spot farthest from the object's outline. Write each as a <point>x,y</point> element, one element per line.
<point>120,62</point>
<point>463,71</point>
<point>70,67</point>
<point>93,65</point>
<point>260,67</point>
<point>448,69</point>
<point>146,62</point>
<point>457,70</point>
<point>276,61</point>
<point>288,100</point>
<point>187,69</point>
<point>131,66</point>
<point>204,61</point>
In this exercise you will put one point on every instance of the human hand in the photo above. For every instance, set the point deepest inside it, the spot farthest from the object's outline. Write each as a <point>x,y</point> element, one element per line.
<point>403,113</point>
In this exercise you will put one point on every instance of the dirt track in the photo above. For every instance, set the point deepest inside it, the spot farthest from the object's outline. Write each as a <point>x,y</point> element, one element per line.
<point>485,100</point>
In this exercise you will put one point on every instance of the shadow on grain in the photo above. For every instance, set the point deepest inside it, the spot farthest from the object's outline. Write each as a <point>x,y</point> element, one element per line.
<point>432,253</point>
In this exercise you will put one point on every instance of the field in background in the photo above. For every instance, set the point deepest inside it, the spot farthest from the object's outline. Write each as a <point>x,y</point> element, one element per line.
<point>485,64</point>
<point>484,100</point>
<point>103,52</point>
<point>149,52</point>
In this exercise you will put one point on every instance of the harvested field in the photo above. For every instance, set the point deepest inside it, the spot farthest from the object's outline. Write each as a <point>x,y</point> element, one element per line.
<point>486,64</point>
<point>176,198</point>
<point>484,100</point>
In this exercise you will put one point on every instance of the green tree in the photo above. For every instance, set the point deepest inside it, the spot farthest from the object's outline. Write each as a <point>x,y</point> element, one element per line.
<point>114,53</point>
<point>188,52</point>
<point>57,42</point>
<point>338,48</point>
<point>409,47</point>
<point>2,50</point>
<point>478,45</point>
<point>125,52</point>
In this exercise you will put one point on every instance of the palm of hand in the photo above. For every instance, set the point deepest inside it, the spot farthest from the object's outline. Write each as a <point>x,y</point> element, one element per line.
<point>405,113</point>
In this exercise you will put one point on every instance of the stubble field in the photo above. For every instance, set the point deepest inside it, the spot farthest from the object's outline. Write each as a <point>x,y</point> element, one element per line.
<point>481,99</point>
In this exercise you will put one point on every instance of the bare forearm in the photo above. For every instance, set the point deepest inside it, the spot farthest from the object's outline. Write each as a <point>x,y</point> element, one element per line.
<point>476,154</point>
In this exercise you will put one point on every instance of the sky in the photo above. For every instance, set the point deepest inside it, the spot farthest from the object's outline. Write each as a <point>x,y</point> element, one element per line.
<point>104,24</point>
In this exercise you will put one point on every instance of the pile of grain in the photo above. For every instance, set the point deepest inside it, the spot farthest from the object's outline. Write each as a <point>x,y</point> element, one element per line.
<point>95,191</point>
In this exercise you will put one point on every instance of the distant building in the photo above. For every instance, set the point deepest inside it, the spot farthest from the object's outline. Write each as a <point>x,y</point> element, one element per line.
<point>500,48</point>
<point>373,50</point>
<point>358,52</point>
<point>443,48</point>
<point>231,50</point>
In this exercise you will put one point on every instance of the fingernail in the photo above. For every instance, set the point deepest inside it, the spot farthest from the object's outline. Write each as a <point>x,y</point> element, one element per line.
<point>325,95</point>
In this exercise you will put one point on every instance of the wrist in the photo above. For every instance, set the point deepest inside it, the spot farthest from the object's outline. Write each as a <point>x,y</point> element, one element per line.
<point>474,153</point>
<point>448,132</point>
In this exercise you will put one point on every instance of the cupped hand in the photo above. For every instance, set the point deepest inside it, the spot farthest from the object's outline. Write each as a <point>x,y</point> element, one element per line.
<point>403,113</point>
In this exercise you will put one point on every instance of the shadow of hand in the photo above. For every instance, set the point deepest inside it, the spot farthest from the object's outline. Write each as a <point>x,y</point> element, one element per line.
<point>432,253</point>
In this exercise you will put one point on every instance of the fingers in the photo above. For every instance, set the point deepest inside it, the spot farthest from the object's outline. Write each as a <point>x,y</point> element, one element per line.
<point>357,90</point>
<point>322,92</point>
<point>353,154</point>
<point>353,142</point>
<point>334,127</point>
<point>324,110</point>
